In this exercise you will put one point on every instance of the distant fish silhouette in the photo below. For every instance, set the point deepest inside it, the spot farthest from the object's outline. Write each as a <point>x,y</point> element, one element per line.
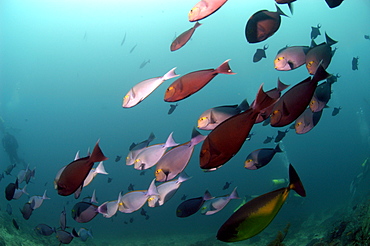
<point>144,63</point>
<point>172,108</point>
<point>315,31</point>
<point>123,40</point>
<point>132,49</point>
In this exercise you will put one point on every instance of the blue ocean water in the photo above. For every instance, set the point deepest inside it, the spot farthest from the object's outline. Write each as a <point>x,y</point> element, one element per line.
<point>64,72</point>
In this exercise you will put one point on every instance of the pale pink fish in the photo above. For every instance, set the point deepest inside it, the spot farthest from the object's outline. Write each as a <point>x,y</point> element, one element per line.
<point>204,8</point>
<point>218,203</point>
<point>36,201</point>
<point>134,200</point>
<point>136,148</point>
<point>143,89</point>
<point>167,190</point>
<point>151,154</point>
<point>110,208</point>
<point>183,38</point>
<point>176,159</point>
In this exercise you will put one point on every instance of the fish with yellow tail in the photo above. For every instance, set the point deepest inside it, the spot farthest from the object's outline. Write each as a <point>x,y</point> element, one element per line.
<point>254,216</point>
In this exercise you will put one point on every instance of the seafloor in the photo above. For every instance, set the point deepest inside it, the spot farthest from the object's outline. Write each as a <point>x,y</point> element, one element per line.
<point>347,225</point>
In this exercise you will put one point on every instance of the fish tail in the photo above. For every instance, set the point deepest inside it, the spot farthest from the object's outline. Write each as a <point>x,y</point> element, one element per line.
<point>97,154</point>
<point>281,86</point>
<point>278,149</point>
<point>170,141</point>
<point>279,11</point>
<point>207,196</point>
<point>170,74</point>
<point>329,40</point>
<point>244,105</point>
<point>152,190</point>
<point>234,194</point>
<point>151,137</point>
<point>295,182</point>
<point>224,68</point>
<point>100,168</point>
<point>196,137</point>
<point>262,100</point>
<point>197,24</point>
<point>183,177</point>
<point>320,73</point>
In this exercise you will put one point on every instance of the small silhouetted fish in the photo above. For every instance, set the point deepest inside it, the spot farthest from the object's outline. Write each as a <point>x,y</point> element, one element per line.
<point>260,53</point>
<point>367,37</point>
<point>315,31</point>
<point>123,40</point>
<point>183,198</point>
<point>9,209</point>
<point>143,212</point>
<point>131,219</point>
<point>44,230</point>
<point>147,217</point>
<point>355,63</point>
<point>281,135</point>
<point>250,136</point>
<point>118,158</point>
<point>226,186</point>
<point>268,139</point>
<point>15,224</point>
<point>172,108</point>
<point>130,187</point>
<point>144,63</point>
<point>132,49</point>
<point>27,210</point>
<point>336,111</point>
<point>333,3</point>
<point>109,179</point>
<point>142,172</point>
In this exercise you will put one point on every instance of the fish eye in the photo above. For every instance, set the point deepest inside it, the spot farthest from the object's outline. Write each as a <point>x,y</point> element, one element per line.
<point>310,63</point>
<point>298,124</point>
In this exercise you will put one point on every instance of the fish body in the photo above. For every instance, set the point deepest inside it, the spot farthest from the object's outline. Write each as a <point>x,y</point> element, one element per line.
<point>144,88</point>
<point>255,215</point>
<point>73,175</point>
<point>83,212</point>
<point>135,149</point>
<point>204,8</point>
<point>228,137</point>
<point>44,229</point>
<point>321,96</point>
<point>110,208</point>
<point>292,104</point>
<point>190,83</point>
<point>212,117</point>
<point>218,203</point>
<point>152,154</point>
<point>260,157</point>
<point>176,159</point>
<point>36,201</point>
<point>281,135</point>
<point>259,54</point>
<point>184,37</point>
<point>290,58</point>
<point>268,140</point>
<point>172,108</point>
<point>26,210</point>
<point>319,54</point>
<point>336,111</point>
<point>84,234</point>
<point>306,121</point>
<point>355,63</point>
<point>134,200</point>
<point>191,206</point>
<point>262,25</point>
<point>10,190</point>
<point>166,191</point>
<point>315,31</point>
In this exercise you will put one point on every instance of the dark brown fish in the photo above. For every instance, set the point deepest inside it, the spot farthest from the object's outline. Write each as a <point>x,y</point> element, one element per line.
<point>292,104</point>
<point>262,25</point>
<point>183,38</point>
<point>10,190</point>
<point>75,173</point>
<point>228,137</point>
<point>26,210</point>
<point>193,82</point>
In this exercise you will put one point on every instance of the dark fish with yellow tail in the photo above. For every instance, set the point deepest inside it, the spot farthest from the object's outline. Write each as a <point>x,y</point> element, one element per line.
<point>192,82</point>
<point>184,37</point>
<point>254,216</point>
<point>228,137</point>
<point>292,104</point>
<point>262,25</point>
<point>73,175</point>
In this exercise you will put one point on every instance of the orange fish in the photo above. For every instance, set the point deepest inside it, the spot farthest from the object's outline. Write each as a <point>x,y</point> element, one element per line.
<point>184,37</point>
<point>74,174</point>
<point>228,137</point>
<point>193,82</point>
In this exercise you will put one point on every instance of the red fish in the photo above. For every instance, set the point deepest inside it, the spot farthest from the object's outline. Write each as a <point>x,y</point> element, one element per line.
<point>183,38</point>
<point>292,104</point>
<point>228,137</point>
<point>192,82</point>
<point>74,174</point>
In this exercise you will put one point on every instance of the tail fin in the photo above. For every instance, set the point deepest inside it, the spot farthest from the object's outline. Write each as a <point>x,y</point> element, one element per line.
<point>277,148</point>
<point>170,141</point>
<point>262,100</point>
<point>279,11</point>
<point>224,68</point>
<point>170,74</point>
<point>329,40</point>
<point>196,137</point>
<point>234,194</point>
<point>97,154</point>
<point>295,182</point>
<point>320,73</point>
<point>281,86</point>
